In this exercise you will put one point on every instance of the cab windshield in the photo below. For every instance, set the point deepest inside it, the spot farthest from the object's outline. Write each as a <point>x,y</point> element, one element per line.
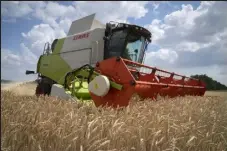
<point>134,48</point>
<point>130,46</point>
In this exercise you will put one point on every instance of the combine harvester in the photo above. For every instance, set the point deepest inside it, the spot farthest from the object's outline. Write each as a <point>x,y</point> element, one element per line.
<point>105,63</point>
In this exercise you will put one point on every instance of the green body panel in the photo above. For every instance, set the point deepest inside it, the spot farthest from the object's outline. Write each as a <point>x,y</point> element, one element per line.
<point>79,87</point>
<point>80,90</point>
<point>52,65</point>
<point>58,46</point>
<point>55,68</point>
<point>85,73</point>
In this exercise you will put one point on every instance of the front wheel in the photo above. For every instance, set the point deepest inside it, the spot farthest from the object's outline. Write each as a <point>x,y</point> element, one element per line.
<point>43,89</point>
<point>38,90</point>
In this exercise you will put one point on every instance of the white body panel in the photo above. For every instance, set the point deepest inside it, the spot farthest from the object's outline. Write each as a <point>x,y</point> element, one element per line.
<point>84,24</point>
<point>76,59</point>
<point>99,86</point>
<point>84,48</point>
<point>58,91</point>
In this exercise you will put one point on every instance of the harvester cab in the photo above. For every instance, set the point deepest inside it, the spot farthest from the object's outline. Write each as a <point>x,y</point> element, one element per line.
<point>105,63</point>
<point>126,41</point>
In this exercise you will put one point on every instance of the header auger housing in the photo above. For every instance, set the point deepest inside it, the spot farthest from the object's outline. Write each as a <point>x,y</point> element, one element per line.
<point>105,64</point>
<point>146,85</point>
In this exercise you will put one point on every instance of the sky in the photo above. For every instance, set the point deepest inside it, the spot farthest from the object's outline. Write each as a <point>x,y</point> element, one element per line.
<point>187,37</point>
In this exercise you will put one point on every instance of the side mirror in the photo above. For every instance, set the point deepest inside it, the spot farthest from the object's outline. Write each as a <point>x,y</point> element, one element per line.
<point>29,72</point>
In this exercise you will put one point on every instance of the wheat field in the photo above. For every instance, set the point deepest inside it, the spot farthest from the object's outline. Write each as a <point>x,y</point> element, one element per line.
<point>48,124</point>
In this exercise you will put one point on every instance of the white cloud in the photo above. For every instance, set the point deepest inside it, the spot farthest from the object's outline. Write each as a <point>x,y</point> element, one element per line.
<point>161,58</point>
<point>197,36</point>
<point>56,19</point>
<point>39,35</point>
<point>155,29</point>
<point>190,40</point>
<point>14,65</point>
<point>18,9</point>
<point>197,26</point>
<point>9,58</point>
<point>113,10</point>
<point>54,11</point>
<point>15,9</point>
<point>155,8</point>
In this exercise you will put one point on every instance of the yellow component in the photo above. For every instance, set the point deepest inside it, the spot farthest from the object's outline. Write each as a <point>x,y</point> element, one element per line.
<point>99,86</point>
<point>96,86</point>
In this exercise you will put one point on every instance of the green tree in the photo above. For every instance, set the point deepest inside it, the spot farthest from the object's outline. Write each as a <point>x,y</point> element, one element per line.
<point>210,83</point>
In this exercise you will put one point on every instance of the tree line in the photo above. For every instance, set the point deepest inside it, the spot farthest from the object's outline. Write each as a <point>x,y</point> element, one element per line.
<point>210,83</point>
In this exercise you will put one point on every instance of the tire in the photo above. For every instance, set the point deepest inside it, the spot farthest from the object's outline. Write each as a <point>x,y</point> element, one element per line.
<point>43,89</point>
<point>38,90</point>
<point>47,89</point>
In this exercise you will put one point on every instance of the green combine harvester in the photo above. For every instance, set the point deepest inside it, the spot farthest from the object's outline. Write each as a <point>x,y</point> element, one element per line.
<point>104,63</point>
